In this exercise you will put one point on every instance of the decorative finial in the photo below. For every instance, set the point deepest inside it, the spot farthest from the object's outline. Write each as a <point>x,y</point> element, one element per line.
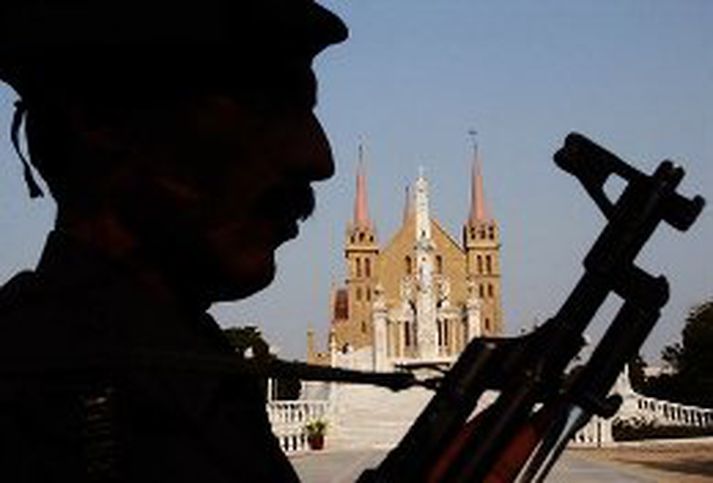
<point>474,139</point>
<point>408,204</point>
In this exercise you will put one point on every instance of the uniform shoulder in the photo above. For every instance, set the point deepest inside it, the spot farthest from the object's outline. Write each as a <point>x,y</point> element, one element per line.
<point>17,292</point>
<point>25,315</point>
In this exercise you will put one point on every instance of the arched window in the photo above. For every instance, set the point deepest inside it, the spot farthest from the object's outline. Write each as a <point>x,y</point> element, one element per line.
<point>363,327</point>
<point>367,267</point>
<point>358,294</point>
<point>407,264</point>
<point>439,264</point>
<point>407,334</point>
<point>487,324</point>
<point>445,332</point>
<point>361,236</point>
<point>490,290</point>
<point>488,264</point>
<point>368,294</point>
<point>480,264</point>
<point>491,232</point>
<point>439,326</point>
<point>358,267</point>
<point>481,291</point>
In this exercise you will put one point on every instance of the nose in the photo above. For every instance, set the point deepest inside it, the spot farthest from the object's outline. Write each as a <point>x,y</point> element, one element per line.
<point>324,160</point>
<point>314,156</point>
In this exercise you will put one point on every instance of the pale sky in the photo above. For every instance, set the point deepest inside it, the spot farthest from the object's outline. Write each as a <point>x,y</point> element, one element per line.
<point>415,76</point>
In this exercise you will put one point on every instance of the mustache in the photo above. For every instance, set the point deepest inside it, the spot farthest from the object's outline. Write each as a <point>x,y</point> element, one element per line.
<point>287,202</point>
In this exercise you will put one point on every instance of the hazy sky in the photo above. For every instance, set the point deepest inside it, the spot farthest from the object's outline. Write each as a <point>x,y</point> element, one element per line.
<point>415,76</point>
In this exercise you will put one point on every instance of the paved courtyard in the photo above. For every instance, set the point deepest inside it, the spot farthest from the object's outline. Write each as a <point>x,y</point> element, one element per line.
<point>346,466</point>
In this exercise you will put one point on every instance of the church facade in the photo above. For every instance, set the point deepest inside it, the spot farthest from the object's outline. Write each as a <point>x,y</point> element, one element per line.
<point>421,297</point>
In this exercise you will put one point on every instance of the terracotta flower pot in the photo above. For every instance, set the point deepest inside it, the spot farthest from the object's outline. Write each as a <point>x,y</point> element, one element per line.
<point>316,441</point>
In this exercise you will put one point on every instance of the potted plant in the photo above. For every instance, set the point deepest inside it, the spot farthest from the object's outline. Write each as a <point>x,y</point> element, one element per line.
<point>315,433</point>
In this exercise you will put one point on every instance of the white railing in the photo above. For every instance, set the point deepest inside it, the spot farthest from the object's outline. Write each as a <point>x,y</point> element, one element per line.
<point>596,433</point>
<point>637,407</point>
<point>666,413</point>
<point>288,420</point>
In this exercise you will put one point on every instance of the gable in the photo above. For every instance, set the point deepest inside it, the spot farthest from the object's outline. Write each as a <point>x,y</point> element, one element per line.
<point>392,261</point>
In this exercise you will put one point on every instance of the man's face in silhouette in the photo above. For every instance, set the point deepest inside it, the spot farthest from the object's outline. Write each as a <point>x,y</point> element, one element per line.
<point>189,139</point>
<point>218,180</point>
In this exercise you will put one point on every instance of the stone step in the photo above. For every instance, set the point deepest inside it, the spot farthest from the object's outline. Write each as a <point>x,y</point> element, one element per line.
<point>370,417</point>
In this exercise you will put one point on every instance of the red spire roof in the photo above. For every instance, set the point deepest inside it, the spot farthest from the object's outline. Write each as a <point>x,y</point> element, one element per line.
<point>361,210</point>
<point>478,210</point>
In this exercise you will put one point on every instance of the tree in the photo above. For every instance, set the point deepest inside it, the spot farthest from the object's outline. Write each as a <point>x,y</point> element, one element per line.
<point>248,341</point>
<point>691,360</point>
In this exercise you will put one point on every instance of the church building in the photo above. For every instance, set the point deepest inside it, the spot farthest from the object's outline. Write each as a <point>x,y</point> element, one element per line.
<point>421,297</point>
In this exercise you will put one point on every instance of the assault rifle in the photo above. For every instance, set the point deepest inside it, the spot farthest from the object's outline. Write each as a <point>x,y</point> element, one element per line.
<point>540,407</point>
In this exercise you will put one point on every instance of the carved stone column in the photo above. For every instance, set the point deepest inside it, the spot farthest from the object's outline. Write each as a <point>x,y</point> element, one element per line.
<point>380,342</point>
<point>473,313</point>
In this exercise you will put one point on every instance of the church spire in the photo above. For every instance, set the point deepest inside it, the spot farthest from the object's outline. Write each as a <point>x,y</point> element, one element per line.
<point>478,209</point>
<point>361,210</point>
<point>408,204</point>
<point>423,217</point>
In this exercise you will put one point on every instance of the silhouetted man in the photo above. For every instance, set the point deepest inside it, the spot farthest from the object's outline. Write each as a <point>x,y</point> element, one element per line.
<point>179,143</point>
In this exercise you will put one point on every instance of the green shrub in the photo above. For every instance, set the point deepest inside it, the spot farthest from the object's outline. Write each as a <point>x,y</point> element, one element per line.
<point>317,427</point>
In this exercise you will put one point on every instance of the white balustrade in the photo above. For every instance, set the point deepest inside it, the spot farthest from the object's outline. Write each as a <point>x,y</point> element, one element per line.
<point>596,433</point>
<point>666,413</point>
<point>288,420</point>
